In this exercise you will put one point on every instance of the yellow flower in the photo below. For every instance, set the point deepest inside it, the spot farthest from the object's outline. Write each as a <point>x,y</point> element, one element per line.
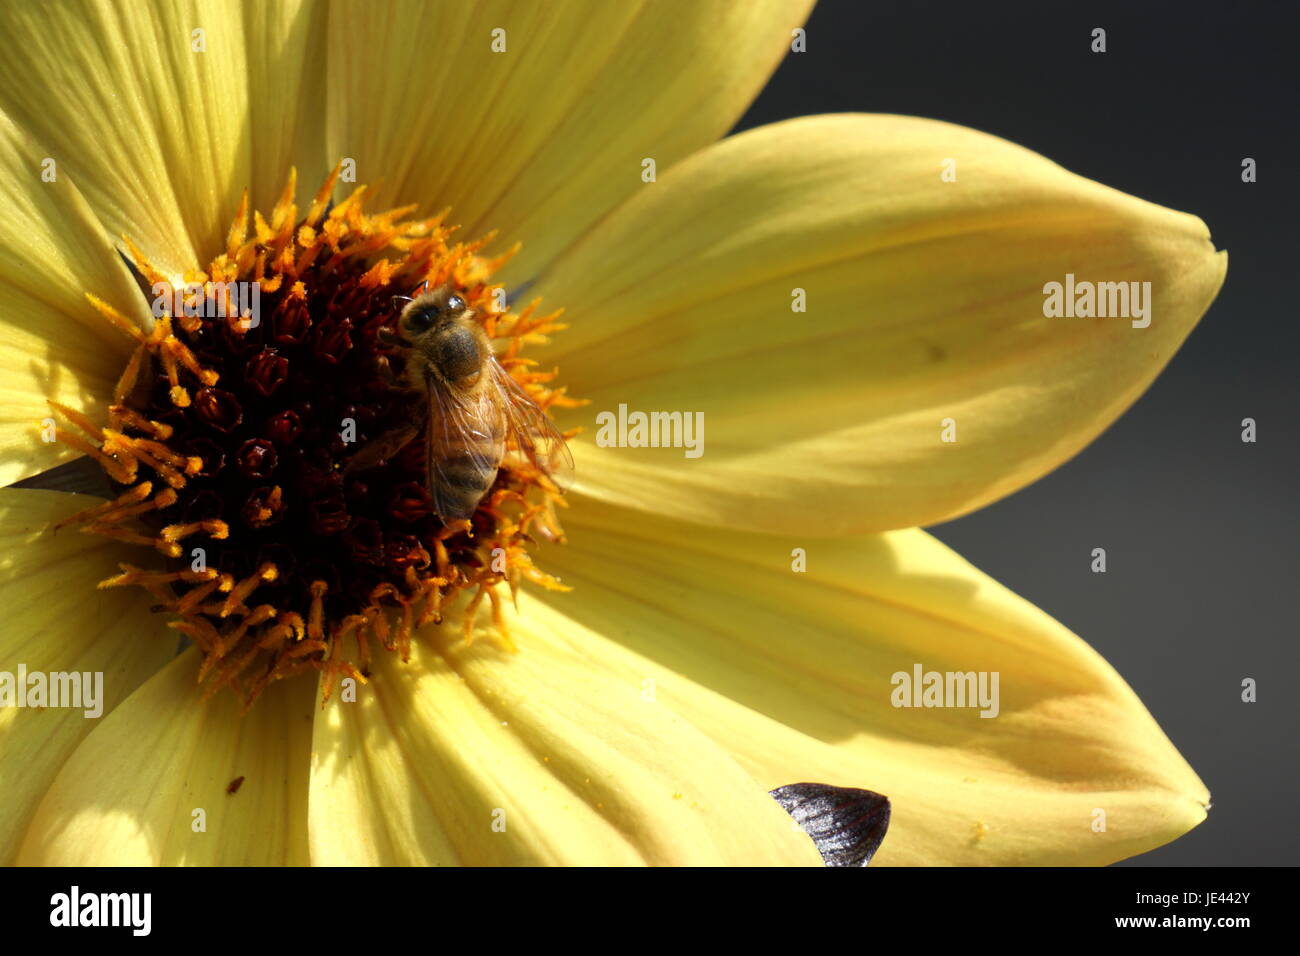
<point>647,712</point>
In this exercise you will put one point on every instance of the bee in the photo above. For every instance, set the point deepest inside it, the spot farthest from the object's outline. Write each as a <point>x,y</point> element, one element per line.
<point>475,413</point>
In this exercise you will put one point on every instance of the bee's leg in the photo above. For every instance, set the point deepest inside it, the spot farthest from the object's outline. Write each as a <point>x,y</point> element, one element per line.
<point>385,371</point>
<point>385,446</point>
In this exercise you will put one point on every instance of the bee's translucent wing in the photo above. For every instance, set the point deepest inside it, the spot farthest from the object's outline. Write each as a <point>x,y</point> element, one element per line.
<point>531,431</point>
<point>463,445</point>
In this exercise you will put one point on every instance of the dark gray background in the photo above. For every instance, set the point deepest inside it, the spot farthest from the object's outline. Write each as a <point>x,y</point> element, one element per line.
<point>1200,530</point>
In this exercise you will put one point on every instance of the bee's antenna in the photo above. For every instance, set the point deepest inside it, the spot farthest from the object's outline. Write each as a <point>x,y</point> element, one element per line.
<point>402,298</point>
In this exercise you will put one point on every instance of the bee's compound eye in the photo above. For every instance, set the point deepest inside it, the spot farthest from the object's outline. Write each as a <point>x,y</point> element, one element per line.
<point>455,303</point>
<point>422,320</point>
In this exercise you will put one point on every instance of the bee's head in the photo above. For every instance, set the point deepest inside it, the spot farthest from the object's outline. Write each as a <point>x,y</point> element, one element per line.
<point>428,310</point>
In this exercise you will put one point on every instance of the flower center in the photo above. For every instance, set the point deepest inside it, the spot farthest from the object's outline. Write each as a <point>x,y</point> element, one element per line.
<point>271,438</point>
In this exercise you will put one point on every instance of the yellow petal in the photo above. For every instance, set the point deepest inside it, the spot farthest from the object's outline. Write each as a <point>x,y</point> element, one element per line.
<point>161,136</point>
<point>793,672</point>
<point>151,784</point>
<point>542,139</point>
<point>475,755</point>
<point>285,63</point>
<point>925,303</point>
<point>56,621</point>
<point>53,344</point>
